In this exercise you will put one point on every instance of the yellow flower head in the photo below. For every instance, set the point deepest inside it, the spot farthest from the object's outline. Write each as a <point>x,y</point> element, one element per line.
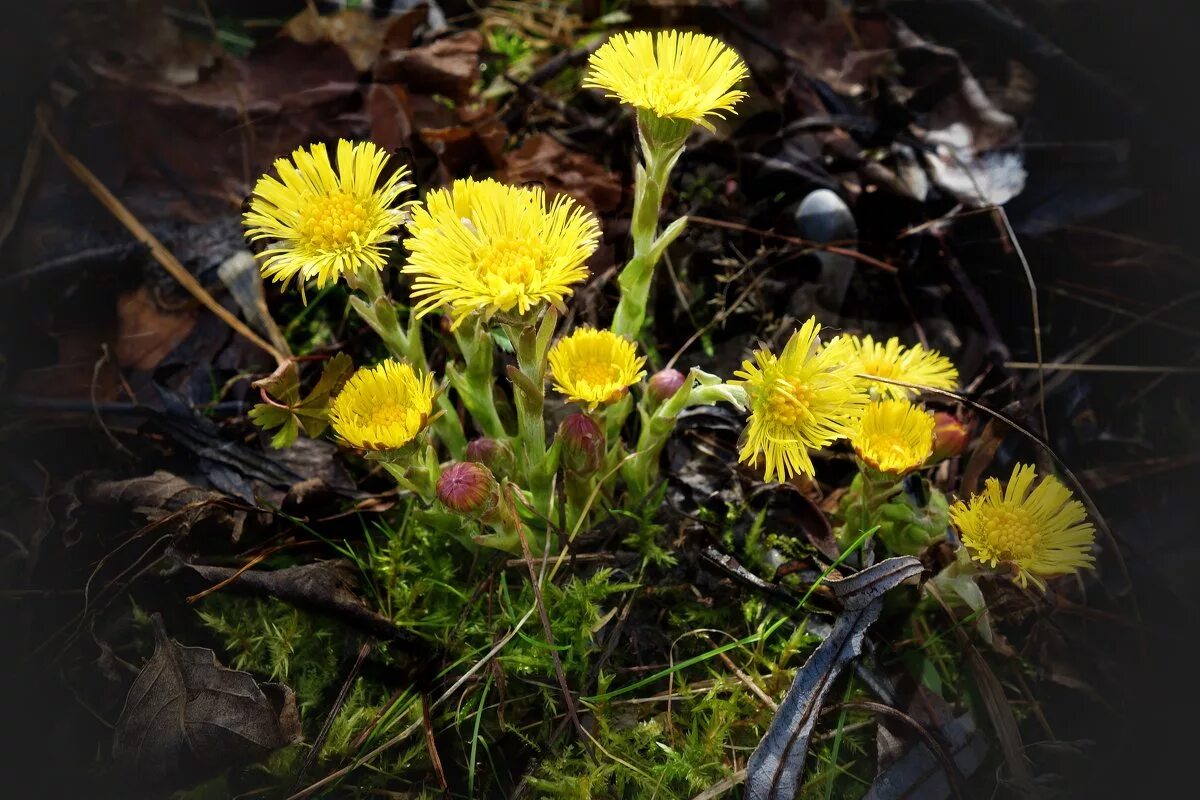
<point>896,362</point>
<point>325,220</point>
<point>382,407</point>
<point>804,398</point>
<point>1042,532</point>
<point>894,436</point>
<point>675,75</point>
<point>485,247</point>
<point>592,367</point>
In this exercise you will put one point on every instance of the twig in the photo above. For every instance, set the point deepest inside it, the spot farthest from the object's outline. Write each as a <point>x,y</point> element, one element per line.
<point>1057,367</point>
<point>796,240</point>
<point>161,254</point>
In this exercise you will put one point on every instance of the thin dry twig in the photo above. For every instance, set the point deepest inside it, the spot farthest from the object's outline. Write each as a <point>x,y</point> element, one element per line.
<point>161,254</point>
<point>796,240</point>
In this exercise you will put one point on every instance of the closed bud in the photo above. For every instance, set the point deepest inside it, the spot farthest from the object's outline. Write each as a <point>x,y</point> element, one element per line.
<point>468,488</point>
<point>493,454</point>
<point>665,383</point>
<point>950,435</point>
<point>582,443</point>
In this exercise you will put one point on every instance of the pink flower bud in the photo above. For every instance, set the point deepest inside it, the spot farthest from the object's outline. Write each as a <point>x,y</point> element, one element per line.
<point>493,454</point>
<point>468,488</point>
<point>665,383</point>
<point>950,435</point>
<point>582,443</point>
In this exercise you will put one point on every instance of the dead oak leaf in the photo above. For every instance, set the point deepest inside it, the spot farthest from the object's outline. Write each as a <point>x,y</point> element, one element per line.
<point>542,159</point>
<point>186,716</point>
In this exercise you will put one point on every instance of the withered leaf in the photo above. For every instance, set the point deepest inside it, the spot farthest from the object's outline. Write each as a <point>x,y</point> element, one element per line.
<point>186,716</point>
<point>161,494</point>
<point>777,765</point>
<point>323,587</point>
<point>542,159</point>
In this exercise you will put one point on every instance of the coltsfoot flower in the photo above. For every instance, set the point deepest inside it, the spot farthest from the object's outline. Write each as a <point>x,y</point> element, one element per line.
<point>484,247</point>
<point>804,398</point>
<point>1040,530</point>
<point>326,221</point>
<point>592,367</point>
<point>894,436</point>
<point>685,76</point>
<point>383,407</point>
<point>896,362</point>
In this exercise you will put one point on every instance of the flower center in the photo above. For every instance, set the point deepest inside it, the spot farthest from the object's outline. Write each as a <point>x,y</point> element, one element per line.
<point>788,403</point>
<point>669,88</point>
<point>510,261</point>
<point>334,221</point>
<point>597,373</point>
<point>890,445</point>
<point>880,368</point>
<point>394,414</point>
<point>1011,533</point>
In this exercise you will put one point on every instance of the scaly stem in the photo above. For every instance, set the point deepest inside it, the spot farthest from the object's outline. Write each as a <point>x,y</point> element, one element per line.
<point>379,312</point>
<point>529,379</point>
<point>474,385</point>
<point>659,154</point>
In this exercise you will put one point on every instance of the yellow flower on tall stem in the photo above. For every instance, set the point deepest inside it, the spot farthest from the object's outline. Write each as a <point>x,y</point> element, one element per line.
<point>685,76</point>
<point>593,367</point>
<point>894,361</point>
<point>805,398</point>
<point>383,407</point>
<point>894,436</point>
<point>325,219</point>
<point>487,248</point>
<point>1040,530</point>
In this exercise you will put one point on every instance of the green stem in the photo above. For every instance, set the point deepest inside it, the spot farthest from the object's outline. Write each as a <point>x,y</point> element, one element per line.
<point>637,276</point>
<point>475,385</point>
<point>379,312</point>
<point>531,343</point>
<point>699,389</point>
<point>418,475</point>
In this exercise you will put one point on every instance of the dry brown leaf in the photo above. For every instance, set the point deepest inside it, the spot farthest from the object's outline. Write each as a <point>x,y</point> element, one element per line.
<point>542,159</point>
<point>146,333</point>
<point>447,67</point>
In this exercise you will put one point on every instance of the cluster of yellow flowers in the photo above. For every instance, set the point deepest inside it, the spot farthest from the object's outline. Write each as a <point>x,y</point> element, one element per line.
<point>507,258</point>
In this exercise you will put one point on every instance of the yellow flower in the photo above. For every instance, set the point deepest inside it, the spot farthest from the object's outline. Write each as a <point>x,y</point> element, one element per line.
<point>675,75</point>
<point>1042,532</point>
<point>804,398</point>
<point>592,367</point>
<point>326,222</point>
<point>896,362</point>
<point>383,407</point>
<point>894,436</point>
<point>485,247</point>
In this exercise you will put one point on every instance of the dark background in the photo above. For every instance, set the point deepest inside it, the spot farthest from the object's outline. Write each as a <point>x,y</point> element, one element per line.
<point>1122,70</point>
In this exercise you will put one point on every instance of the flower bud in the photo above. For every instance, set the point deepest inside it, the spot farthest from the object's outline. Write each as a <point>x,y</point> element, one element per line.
<point>468,488</point>
<point>950,436</point>
<point>665,383</point>
<point>493,454</point>
<point>582,443</point>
